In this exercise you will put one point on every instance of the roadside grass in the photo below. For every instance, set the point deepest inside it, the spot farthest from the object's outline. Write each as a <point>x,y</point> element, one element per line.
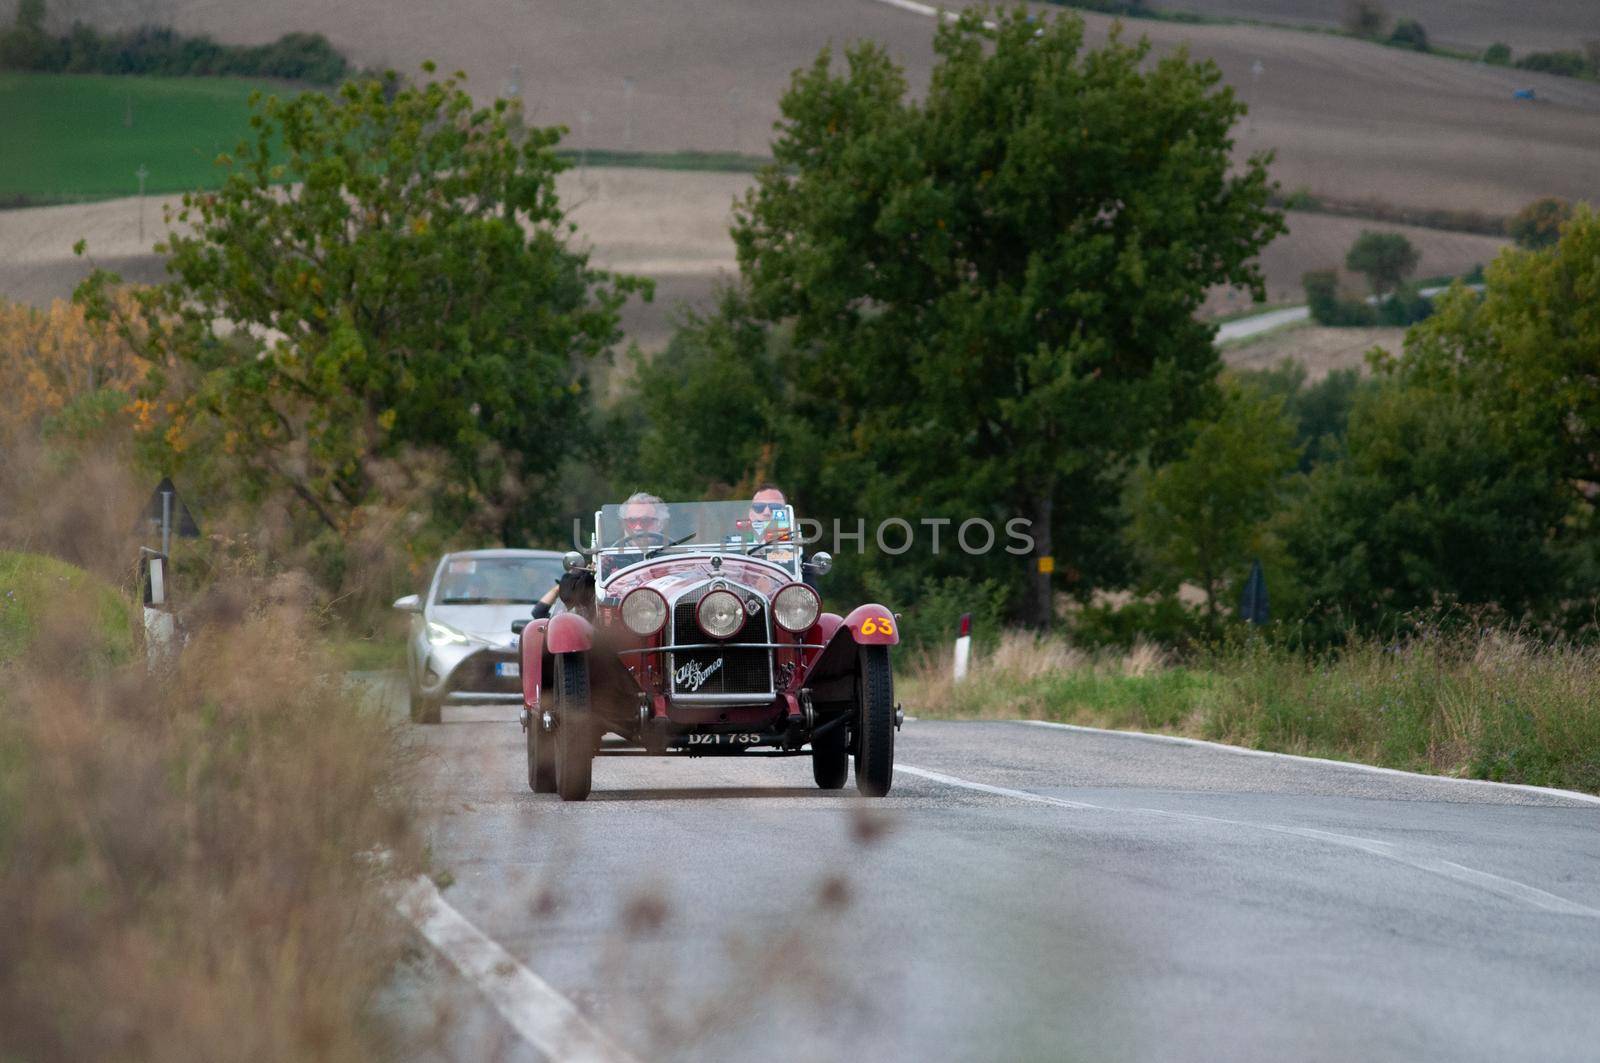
<point>193,864</point>
<point>706,161</point>
<point>31,586</point>
<point>1486,704</point>
<point>68,139</point>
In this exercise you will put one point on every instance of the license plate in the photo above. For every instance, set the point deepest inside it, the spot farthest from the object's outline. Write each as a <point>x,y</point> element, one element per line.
<point>508,669</point>
<point>722,740</point>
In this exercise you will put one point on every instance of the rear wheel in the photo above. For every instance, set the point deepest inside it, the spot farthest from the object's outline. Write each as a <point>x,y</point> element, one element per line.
<point>574,752</point>
<point>875,723</point>
<point>830,758</point>
<point>541,757</point>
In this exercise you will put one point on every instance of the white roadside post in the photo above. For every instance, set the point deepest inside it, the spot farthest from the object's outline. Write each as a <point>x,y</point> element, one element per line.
<point>963,647</point>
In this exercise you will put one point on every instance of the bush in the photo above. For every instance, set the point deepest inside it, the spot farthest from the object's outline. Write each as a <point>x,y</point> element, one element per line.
<point>1386,259</point>
<point>1328,307</point>
<point>1566,64</point>
<point>162,51</point>
<point>1405,307</point>
<point>1164,620</point>
<point>1497,54</point>
<point>1365,18</point>
<point>1538,225</point>
<point>1408,33</point>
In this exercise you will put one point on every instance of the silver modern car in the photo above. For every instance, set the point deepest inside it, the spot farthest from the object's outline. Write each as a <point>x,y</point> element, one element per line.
<point>460,648</point>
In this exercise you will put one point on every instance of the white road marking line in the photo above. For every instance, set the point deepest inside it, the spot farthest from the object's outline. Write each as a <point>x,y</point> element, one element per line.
<point>1504,887</point>
<point>545,1019</point>
<point>1353,766</point>
<point>929,11</point>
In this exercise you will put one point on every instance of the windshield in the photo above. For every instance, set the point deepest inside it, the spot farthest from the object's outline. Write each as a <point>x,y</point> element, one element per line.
<point>635,531</point>
<point>496,580</point>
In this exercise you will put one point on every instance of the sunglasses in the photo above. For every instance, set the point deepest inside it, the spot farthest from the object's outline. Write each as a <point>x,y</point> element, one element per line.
<point>764,507</point>
<point>638,522</point>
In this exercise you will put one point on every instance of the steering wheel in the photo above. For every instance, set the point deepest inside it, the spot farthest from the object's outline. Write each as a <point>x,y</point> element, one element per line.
<point>645,539</point>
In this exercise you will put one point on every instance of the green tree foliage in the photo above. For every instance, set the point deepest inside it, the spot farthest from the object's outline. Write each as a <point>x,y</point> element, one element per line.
<point>384,268</point>
<point>1202,517</point>
<point>1497,54</point>
<point>1566,63</point>
<point>1006,269</point>
<point>1408,33</point>
<point>1538,225</point>
<point>1385,259</point>
<point>1329,307</point>
<point>1526,349</point>
<point>1319,411</point>
<point>1435,504</point>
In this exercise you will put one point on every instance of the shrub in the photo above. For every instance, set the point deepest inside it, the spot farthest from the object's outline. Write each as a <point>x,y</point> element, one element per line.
<point>1566,64</point>
<point>1328,307</point>
<point>1497,54</point>
<point>1365,18</point>
<point>1538,225</point>
<point>1405,307</point>
<point>1408,33</point>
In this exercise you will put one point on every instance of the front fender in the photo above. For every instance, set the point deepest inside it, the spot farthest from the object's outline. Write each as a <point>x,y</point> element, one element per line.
<point>569,633</point>
<point>873,625</point>
<point>533,661</point>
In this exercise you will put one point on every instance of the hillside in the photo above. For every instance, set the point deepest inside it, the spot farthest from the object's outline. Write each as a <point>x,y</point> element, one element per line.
<point>1348,119</point>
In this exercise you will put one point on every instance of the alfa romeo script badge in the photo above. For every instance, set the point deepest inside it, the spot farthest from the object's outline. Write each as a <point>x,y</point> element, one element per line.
<point>692,677</point>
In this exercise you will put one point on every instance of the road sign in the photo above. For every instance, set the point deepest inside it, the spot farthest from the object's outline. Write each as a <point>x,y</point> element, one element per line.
<point>1253,607</point>
<point>166,510</point>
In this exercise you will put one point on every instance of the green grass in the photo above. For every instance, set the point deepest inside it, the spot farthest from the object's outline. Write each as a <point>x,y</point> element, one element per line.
<point>1489,705</point>
<point>708,161</point>
<point>65,136</point>
<point>32,586</point>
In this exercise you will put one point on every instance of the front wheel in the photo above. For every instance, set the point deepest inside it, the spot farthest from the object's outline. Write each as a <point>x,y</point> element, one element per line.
<point>875,721</point>
<point>830,758</point>
<point>541,757</point>
<point>574,753</point>
<point>423,708</point>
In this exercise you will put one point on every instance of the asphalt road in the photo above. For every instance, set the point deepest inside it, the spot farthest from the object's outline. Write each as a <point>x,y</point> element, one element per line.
<point>1023,893</point>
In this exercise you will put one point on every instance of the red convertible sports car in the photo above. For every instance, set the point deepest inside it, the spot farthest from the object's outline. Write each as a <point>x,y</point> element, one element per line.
<point>687,629</point>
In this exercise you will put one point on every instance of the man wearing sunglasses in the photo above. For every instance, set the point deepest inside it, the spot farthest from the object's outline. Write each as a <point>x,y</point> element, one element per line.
<point>767,499</point>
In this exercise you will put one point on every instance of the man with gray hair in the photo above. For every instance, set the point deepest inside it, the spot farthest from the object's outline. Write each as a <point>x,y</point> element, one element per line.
<point>644,520</point>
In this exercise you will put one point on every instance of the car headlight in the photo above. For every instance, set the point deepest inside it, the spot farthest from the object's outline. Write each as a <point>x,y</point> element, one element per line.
<point>721,614</point>
<point>444,635</point>
<point>644,611</point>
<point>796,608</point>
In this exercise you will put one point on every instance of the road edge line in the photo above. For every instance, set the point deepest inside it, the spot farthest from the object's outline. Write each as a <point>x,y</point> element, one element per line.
<point>1549,791</point>
<point>543,1017</point>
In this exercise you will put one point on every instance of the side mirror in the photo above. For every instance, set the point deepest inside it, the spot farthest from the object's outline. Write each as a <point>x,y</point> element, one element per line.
<point>517,626</point>
<point>571,561</point>
<point>820,562</point>
<point>411,603</point>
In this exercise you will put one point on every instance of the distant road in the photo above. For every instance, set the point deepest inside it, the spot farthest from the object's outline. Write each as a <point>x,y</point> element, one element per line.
<point>1025,892</point>
<point>1246,327</point>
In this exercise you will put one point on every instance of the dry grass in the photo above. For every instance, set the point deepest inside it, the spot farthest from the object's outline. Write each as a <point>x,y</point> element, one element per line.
<point>193,864</point>
<point>1321,350</point>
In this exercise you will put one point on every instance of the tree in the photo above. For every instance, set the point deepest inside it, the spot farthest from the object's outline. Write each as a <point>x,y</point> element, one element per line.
<point>383,268</point>
<point>1526,348</point>
<point>1435,504</point>
<point>992,288</point>
<point>1204,516</point>
<point>1408,33</point>
<point>1386,259</point>
<point>1365,18</point>
<point>1538,225</point>
<point>1497,54</point>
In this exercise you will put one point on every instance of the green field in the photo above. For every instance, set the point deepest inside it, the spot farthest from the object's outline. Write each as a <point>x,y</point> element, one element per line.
<point>66,136</point>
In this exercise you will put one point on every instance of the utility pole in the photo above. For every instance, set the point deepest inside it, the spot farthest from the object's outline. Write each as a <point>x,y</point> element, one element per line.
<point>141,174</point>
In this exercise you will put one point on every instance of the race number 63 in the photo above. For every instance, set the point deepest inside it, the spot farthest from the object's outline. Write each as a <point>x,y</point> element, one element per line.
<point>873,625</point>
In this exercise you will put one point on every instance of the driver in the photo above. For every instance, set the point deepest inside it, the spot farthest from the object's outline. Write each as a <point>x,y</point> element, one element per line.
<point>644,527</point>
<point>768,521</point>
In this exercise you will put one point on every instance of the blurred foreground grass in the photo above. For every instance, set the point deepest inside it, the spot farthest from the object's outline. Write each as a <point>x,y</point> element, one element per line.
<point>193,864</point>
<point>1486,704</point>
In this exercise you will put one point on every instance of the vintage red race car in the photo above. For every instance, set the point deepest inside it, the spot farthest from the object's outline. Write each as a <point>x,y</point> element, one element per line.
<point>698,636</point>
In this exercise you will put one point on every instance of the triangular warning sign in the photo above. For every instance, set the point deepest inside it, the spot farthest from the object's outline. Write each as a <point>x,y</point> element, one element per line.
<point>183,522</point>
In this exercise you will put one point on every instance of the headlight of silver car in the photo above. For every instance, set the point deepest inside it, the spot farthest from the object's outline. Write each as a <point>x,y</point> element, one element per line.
<point>444,635</point>
<point>721,614</point>
<point>644,611</point>
<point>796,608</point>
